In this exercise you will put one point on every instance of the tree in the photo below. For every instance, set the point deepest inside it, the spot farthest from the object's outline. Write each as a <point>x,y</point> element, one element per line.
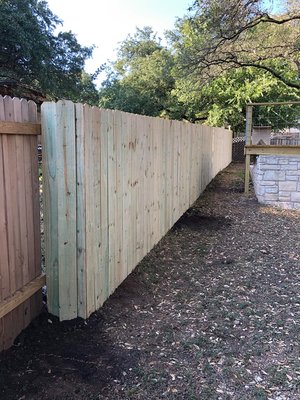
<point>222,35</point>
<point>31,54</point>
<point>140,80</point>
<point>222,101</point>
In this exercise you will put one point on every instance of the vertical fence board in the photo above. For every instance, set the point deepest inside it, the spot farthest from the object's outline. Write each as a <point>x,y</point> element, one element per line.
<point>119,198</point>
<point>133,173</point>
<point>50,189</point>
<point>104,253</point>
<point>140,191</point>
<point>13,212</point>
<point>111,191</point>
<point>89,173</point>
<point>66,173</point>
<point>4,264</point>
<point>96,125</point>
<point>125,193</point>
<point>58,121</point>
<point>81,213</point>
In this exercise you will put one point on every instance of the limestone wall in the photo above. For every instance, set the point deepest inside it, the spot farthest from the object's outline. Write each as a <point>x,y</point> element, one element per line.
<point>276,180</point>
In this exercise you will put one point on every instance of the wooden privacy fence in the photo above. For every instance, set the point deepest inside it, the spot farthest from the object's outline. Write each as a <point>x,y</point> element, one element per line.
<point>20,265</point>
<point>114,184</point>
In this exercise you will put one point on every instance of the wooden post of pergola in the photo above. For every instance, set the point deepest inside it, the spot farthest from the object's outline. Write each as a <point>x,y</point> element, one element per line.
<point>262,149</point>
<point>249,112</point>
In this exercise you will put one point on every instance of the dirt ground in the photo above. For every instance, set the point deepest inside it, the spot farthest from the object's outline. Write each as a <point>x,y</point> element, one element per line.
<point>213,312</point>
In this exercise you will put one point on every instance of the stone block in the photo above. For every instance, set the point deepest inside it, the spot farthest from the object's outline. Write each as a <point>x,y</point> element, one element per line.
<point>262,159</point>
<point>292,178</point>
<point>295,172</point>
<point>283,161</point>
<point>284,194</point>
<point>267,183</point>
<point>274,176</point>
<point>258,177</point>
<point>271,196</point>
<point>271,160</point>
<point>289,167</point>
<point>295,196</point>
<point>271,189</point>
<point>288,186</point>
<point>269,167</point>
<point>285,199</point>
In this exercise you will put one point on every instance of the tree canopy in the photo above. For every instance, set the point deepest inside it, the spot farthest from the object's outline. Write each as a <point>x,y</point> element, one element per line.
<point>32,54</point>
<point>140,80</point>
<point>222,35</point>
<point>219,56</point>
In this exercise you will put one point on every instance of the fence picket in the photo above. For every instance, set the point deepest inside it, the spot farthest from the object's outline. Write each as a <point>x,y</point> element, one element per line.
<point>50,193</point>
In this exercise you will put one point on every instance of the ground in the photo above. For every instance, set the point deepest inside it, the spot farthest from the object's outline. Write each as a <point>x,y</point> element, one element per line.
<point>213,312</point>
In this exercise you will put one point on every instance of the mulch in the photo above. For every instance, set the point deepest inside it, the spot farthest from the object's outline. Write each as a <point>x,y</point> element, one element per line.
<point>212,312</point>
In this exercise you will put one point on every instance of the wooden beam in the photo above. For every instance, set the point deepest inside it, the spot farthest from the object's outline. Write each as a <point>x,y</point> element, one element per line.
<point>19,128</point>
<point>249,115</point>
<point>247,175</point>
<point>271,149</point>
<point>22,295</point>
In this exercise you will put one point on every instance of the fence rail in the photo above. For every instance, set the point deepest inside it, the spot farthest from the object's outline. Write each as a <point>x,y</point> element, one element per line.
<point>20,270</point>
<point>115,183</point>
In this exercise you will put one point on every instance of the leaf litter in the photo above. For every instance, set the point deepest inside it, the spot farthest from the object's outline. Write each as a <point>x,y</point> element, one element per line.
<point>212,312</point>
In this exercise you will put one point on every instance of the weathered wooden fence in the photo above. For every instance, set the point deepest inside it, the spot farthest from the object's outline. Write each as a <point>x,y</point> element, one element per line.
<point>20,265</point>
<point>115,183</point>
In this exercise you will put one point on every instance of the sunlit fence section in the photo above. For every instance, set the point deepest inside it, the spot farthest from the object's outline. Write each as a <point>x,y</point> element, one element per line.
<point>114,184</point>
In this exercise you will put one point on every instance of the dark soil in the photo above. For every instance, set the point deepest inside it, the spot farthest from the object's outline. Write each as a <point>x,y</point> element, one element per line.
<point>213,312</point>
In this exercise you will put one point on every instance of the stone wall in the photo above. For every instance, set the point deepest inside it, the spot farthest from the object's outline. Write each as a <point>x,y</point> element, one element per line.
<point>276,180</point>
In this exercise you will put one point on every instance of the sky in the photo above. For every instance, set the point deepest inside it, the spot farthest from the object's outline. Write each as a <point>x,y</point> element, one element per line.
<point>105,23</point>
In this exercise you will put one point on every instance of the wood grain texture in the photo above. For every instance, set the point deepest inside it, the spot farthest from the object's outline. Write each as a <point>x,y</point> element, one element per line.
<point>20,296</point>
<point>66,198</point>
<point>81,212</point>
<point>50,194</point>
<point>18,127</point>
<point>19,216</point>
<point>135,176</point>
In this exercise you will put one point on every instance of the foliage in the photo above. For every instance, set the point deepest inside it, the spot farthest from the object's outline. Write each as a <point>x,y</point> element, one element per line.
<point>140,80</point>
<point>220,57</point>
<point>222,102</point>
<point>220,36</point>
<point>31,53</point>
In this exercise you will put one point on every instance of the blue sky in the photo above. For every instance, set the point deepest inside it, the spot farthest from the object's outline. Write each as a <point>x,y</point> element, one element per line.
<point>105,23</point>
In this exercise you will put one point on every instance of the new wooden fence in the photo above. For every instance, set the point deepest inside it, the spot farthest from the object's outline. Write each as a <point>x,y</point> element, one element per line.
<point>20,266</point>
<point>114,184</point>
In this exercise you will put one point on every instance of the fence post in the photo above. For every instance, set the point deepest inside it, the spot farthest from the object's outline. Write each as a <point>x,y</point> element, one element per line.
<point>249,111</point>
